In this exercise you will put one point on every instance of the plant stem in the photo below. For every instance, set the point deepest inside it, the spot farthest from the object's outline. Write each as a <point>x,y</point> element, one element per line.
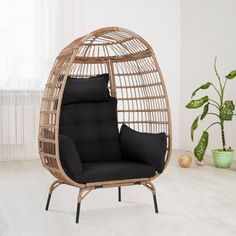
<point>214,105</point>
<point>225,84</point>
<point>216,89</point>
<point>212,113</point>
<point>213,124</point>
<point>223,134</point>
<point>217,74</point>
<point>218,105</point>
<point>222,90</point>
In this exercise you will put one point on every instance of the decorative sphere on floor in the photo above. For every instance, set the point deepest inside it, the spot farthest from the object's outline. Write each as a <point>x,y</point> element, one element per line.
<point>185,161</point>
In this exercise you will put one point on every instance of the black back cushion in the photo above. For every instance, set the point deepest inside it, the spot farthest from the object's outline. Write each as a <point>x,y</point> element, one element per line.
<point>143,147</point>
<point>93,89</point>
<point>92,126</point>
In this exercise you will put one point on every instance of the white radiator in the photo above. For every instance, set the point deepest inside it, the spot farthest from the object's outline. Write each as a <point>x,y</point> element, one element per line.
<point>19,115</point>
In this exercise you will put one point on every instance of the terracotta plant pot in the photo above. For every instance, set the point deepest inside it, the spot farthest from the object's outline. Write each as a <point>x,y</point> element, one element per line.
<point>222,159</point>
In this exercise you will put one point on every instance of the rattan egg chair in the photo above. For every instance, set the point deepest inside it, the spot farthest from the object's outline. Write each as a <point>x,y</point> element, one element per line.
<point>135,84</point>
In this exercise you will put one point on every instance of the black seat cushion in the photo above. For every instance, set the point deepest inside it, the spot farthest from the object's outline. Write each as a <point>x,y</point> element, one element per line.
<point>143,147</point>
<point>92,126</point>
<point>113,170</point>
<point>69,156</point>
<point>93,89</point>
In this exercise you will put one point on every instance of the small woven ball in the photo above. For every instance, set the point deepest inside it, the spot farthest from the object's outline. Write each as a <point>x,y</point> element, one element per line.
<point>185,161</point>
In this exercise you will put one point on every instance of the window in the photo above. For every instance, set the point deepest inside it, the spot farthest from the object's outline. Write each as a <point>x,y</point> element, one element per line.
<point>23,44</point>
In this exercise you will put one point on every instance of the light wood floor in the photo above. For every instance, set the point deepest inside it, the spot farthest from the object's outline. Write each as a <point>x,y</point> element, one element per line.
<point>196,201</point>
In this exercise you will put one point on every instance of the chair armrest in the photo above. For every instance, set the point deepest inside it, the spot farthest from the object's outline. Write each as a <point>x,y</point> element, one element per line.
<point>69,156</point>
<point>143,147</point>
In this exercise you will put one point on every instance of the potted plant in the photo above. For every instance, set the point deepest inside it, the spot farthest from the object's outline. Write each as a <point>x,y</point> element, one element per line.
<point>222,110</point>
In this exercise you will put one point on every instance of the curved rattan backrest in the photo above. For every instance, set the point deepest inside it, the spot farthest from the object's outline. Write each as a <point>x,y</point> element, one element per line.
<point>135,80</point>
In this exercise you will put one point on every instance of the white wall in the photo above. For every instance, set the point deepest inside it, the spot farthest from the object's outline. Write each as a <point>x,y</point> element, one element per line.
<point>158,21</point>
<point>208,30</point>
<point>186,35</point>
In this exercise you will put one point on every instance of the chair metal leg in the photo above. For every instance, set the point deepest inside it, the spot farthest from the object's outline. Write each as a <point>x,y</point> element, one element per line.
<point>80,198</point>
<point>155,203</point>
<point>152,188</point>
<point>77,213</point>
<point>52,187</point>
<point>48,201</point>
<point>119,194</point>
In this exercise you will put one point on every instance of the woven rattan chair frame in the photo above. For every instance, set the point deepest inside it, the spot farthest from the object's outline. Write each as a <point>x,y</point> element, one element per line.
<point>135,80</point>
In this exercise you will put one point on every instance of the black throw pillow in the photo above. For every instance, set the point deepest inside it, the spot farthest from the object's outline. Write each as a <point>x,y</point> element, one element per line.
<point>93,89</point>
<point>69,156</point>
<point>143,147</point>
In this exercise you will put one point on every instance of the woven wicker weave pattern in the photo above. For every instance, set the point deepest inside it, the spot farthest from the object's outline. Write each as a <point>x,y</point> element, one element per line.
<point>135,80</point>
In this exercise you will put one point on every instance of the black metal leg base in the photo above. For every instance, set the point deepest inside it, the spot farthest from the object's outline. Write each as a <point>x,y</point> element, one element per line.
<point>119,194</point>
<point>48,201</point>
<point>155,203</point>
<point>77,213</point>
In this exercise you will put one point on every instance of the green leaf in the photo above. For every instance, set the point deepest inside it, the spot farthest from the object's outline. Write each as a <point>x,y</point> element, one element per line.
<point>200,149</point>
<point>226,112</point>
<point>194,126</point>
<point>230,104</point>
<point>204,86</point>
<point>231,75</point>
<point>205,110</point>
<point>197,103</point>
